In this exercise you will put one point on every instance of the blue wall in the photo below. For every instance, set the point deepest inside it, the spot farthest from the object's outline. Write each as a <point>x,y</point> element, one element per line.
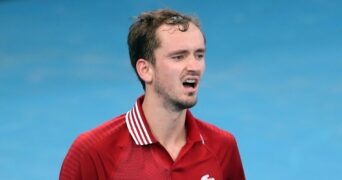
<point>273,79</point>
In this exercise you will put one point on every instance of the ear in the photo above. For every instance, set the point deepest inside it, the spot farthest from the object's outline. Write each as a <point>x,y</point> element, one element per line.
<point>144,70</point>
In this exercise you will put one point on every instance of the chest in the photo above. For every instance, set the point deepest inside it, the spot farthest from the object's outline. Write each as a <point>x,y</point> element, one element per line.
<point>153,162</point>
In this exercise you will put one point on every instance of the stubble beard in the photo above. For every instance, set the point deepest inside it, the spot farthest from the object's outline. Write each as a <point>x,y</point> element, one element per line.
<point>171,101</point>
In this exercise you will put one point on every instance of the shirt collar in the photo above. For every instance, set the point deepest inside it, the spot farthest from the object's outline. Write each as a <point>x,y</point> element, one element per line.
<point>141,132</point>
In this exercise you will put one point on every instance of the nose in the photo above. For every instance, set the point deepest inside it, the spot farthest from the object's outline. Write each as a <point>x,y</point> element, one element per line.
<point>195,64</point>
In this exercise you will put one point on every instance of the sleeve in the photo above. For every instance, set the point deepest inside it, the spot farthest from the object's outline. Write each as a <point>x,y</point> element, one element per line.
<point>78,164</point>
<point>232,164</point>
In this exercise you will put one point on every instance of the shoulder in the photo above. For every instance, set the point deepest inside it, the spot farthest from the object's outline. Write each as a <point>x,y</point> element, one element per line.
<point>112,130</point>
<point>100,138</point>
<point>212,133</point>
<point>222,144</point>
<point>218,141</point>
<point>81,153</point>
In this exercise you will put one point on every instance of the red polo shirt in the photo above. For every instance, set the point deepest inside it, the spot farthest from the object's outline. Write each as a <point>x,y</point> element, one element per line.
<point>125,148</point>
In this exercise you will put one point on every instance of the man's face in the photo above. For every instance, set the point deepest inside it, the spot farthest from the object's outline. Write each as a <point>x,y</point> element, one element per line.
<point>179,65</point>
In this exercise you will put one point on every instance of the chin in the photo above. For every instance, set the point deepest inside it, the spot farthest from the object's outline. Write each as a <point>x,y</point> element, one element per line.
<point>186,104</point>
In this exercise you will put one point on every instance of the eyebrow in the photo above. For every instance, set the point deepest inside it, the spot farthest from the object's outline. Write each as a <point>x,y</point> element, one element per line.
<point>201,50</point>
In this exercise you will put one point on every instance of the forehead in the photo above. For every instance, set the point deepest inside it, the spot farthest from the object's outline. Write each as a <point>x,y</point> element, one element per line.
<point>171,35</point>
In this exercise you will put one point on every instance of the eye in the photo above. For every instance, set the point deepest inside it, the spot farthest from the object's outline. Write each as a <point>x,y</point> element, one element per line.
<point>200,56</point>
<point>178,57</point>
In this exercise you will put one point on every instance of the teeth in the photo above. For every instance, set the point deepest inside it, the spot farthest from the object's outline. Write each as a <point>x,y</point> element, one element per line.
<point>190,81</point>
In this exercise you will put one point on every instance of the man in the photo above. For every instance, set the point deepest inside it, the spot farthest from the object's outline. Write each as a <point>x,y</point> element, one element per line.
<point>159,138</point>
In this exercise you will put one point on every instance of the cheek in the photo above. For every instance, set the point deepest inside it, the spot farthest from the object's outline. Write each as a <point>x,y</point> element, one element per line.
<point>168,70</point>
<point>202,67</point>
<point>165,75</point>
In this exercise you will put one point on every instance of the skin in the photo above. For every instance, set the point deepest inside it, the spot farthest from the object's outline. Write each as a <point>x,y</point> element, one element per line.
<point>180,57</point>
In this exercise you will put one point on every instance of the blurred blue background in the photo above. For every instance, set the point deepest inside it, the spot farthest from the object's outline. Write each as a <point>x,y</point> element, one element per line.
<point>273,79</point>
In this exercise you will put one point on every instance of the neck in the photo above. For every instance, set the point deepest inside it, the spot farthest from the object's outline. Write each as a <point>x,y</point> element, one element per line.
<point>167,125</point>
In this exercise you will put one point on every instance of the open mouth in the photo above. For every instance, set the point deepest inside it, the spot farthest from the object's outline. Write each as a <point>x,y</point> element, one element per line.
<point>190,83</point>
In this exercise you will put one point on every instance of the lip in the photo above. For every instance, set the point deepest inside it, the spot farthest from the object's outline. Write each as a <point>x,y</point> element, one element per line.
<point>191,89</point>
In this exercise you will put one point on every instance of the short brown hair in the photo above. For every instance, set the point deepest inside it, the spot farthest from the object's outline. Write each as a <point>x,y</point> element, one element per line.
<point>142,39</point>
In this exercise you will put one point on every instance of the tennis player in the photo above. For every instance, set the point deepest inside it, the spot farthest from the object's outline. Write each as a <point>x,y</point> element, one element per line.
<point>159,138</point>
